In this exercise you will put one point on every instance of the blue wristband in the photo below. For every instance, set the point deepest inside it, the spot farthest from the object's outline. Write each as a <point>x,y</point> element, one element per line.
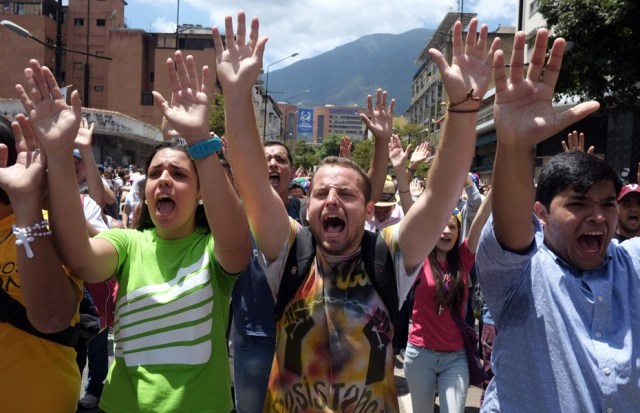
<point>203,149</point>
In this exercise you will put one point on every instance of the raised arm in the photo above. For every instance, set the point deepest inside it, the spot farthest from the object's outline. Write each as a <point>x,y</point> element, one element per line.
<point>398,158</point>
<point>380,123</point>
<point>55,124</point>
<point>345,147</point>
<point>50,297</point>
<point>575,142</point>
<point>479,220</point>
<point>466,81</point>
<point>189,116</point>
<point>238,65</point>
<point>98,190</point>
<point>524,116</point>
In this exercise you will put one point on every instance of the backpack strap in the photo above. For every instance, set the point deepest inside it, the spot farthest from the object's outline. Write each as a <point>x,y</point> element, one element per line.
<point>14,313</point>
<point>379,266</point>
<point>302,254</point>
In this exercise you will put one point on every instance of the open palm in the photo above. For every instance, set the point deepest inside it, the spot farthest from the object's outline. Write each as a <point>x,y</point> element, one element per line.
<point>523,109</point>
<point>54,123</point>
<point>188,113</point>
<point>238,61</point>
<point>20,179</point>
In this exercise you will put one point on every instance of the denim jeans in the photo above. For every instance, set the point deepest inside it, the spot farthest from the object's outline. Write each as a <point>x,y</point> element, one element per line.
<point>252,360</point>
<point>427,371</point>
<point>96,351</point>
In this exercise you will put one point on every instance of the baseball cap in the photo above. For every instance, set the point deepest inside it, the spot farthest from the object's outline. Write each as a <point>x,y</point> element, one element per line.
<point>389,196</point>
<point>627,189</point>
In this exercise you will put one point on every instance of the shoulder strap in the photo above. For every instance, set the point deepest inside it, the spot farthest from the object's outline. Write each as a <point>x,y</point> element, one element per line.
<point>301,256</point>
<point>14,313</point>
<point>378,264</point>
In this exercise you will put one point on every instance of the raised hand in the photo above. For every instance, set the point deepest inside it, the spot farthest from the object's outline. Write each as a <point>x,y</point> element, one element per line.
<point>380,118</point>
<point>422,154</point>
<point>23,181</point>
<point>345,147</point>
<point>54,123</point>
<point>85,133</point>
<point>471,66</point>
<point>188,113</point>
<point>238,62</point>
<point>575,142</point>
<point>523,108</point>
<point>397,155</point>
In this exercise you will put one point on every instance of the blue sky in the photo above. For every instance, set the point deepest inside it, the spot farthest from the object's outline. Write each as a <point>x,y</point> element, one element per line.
<point>312,28</point>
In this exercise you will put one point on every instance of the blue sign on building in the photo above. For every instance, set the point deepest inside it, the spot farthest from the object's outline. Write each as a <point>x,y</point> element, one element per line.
<point>305,121</point>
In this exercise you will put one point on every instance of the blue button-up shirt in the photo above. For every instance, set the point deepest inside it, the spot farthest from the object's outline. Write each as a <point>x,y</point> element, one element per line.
<point>568,340</point>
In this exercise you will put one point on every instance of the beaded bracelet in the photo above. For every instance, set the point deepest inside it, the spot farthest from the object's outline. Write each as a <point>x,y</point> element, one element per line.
<point>26,235</point>
<point>468,96</point>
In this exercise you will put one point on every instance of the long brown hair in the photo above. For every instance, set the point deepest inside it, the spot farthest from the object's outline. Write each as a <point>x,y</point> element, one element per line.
<point>453,295</point>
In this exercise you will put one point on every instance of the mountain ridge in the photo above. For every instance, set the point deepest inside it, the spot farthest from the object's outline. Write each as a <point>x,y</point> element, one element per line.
<point>345,75</point>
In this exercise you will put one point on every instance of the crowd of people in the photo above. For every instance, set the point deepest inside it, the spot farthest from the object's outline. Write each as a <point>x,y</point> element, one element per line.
<point>318,282</point>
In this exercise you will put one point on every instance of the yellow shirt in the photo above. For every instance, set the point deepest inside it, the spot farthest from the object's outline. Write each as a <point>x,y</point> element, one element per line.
<point>36,375</point>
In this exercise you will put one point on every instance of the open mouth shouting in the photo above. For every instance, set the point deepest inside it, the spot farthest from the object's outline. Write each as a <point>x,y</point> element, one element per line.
<point>333,224</point>
<point>591,242</point>
<point>164,205</point>
<point>633,219</point>
<point>274,179</point>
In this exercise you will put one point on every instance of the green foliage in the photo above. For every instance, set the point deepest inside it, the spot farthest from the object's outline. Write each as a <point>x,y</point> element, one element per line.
<point>362,153</point>
<point>304,155</point>
<point>330,146</point>
<point>216,115</point>
<point>604,60</point>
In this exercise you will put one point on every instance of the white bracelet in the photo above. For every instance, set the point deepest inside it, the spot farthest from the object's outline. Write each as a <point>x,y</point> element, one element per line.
<point>26,235</point>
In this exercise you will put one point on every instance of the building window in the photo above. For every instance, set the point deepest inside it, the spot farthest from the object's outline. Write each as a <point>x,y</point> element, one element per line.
<point>98,88</point>
<point>146,99</point>
<point>78,22</point>
<point>100,22</point>
<point>533,7</point>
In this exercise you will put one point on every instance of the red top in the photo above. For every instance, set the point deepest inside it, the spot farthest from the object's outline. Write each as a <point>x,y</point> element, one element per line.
<point>428,329</point>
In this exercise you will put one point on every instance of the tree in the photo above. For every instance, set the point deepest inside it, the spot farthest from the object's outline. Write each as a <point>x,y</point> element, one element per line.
<point>330,146</point>
<point>362,153</point>
<point>603,60</point>
<point>304,155</point>
<point>216,115</point>
<point>413,133</point>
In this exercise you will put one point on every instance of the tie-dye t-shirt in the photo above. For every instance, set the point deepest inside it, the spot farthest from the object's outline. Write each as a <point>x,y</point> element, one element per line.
<point>333,351</point>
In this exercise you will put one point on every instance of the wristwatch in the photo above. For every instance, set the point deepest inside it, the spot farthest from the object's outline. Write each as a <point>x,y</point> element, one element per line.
<point>203,149</point>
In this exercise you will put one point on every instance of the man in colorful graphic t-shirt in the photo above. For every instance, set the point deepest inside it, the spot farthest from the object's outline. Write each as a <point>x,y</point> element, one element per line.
<point>334,338</point>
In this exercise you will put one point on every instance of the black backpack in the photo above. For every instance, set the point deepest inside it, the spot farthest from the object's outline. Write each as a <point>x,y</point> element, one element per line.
<point>378,265</point>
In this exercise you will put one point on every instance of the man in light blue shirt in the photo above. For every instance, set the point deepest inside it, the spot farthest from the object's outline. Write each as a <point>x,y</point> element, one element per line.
<point>565,300</point>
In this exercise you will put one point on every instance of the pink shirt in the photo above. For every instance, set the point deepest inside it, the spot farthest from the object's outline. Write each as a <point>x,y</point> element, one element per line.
<point>428,329</point>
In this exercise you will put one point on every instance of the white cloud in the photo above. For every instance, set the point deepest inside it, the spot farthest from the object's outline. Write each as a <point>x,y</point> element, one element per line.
<point>162,25</point>
<point>311,28</point>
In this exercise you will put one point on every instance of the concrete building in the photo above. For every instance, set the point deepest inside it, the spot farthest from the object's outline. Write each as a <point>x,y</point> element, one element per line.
<point>337,120</point>
<point>120,83</point>
<point>427,92</point>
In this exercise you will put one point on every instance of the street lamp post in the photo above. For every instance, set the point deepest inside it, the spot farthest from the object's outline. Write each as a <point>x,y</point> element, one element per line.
<point>58,47</point>
<point>266,94</point>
